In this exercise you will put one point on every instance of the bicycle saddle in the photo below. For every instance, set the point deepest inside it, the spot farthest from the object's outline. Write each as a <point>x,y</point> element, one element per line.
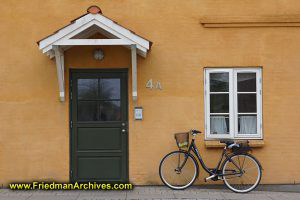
<point>227,142</point>
<point>193,131</point>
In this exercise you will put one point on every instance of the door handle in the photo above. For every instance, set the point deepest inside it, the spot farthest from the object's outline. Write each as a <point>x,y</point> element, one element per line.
<point>123,130</point>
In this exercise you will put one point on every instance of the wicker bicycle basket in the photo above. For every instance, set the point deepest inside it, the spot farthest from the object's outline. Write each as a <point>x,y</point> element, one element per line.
<point>182,140</point>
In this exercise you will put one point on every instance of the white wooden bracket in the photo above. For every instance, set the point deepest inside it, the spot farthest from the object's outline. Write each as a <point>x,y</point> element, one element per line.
<point>60,66</point>
<point>134,72</point>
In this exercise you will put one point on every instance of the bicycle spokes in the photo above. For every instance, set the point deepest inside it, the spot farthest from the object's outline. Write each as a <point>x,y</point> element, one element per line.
<point>177,170</point>
<point>242,174</point>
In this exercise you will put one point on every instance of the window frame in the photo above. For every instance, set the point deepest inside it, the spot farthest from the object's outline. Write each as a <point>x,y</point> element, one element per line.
<point>233,105</point>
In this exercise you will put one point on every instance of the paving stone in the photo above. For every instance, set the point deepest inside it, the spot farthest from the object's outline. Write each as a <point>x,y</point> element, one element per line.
<point>13,198</point>
<point>42,193</point>
<point>284,196</point>
<point>15,194</point>
<point>71,192</point>
<point>52,197</point>
<point>147,192</point>
<point>94,198</point>
<point>150,196</point>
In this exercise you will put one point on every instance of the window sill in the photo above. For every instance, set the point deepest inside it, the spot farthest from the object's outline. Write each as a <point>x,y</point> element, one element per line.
<point>217,144</point>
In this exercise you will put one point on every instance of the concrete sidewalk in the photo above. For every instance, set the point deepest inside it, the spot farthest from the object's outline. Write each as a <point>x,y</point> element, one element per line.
<point>148,192</point>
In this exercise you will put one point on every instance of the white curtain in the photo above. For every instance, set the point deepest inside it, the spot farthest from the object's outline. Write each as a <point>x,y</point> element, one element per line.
<point>248,125</point>
<point>218,125</point>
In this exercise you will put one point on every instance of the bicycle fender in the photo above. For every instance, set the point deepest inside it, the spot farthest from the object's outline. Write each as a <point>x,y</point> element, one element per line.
<point>223,163</point>
<point>248,154</point>
<point>256,161</point>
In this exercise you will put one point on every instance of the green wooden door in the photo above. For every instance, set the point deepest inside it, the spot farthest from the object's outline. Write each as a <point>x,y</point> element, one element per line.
<point>99,125</point>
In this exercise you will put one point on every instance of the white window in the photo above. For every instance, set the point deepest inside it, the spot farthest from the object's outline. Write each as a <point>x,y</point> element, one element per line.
<point>233,103</point>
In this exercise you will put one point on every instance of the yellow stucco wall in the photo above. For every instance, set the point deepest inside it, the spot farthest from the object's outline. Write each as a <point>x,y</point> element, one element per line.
<point>34,132</point>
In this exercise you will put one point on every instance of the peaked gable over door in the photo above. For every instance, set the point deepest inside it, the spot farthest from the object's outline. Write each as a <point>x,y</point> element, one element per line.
<point>77,34</point>
<point>95,21</point>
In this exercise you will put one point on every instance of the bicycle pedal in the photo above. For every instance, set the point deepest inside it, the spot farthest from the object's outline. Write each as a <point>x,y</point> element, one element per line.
<point>210,177</point>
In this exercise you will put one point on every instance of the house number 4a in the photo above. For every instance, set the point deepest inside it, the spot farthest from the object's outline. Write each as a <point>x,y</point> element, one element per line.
<point>152,85</point>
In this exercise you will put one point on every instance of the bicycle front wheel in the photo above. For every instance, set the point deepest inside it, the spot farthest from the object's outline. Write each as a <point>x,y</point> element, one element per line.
<point>178,170</point>
<point>241,173</point>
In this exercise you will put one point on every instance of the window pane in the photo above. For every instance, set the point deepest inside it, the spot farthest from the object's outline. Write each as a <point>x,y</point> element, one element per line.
<point>87,111</point>
<point>87,88</point>
<point>247,124</point>
<point>110,88</point>
<point>219,124</point>
<point>219,103</point>
<point>219,82</point>
<point>246,103</point>
<point>246,82</point>
<point>110,111</point>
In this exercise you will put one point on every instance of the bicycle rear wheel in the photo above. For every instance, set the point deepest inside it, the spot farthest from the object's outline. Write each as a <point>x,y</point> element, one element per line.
<point>178,170</point>
<point>244,180</point>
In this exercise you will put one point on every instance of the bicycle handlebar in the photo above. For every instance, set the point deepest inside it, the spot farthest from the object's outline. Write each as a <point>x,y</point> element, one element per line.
<point>194,131</point>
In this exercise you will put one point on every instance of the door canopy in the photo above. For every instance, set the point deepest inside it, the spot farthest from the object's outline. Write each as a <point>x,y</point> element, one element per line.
<point>77,34</point>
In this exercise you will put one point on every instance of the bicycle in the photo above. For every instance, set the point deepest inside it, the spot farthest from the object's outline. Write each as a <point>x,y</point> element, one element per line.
<point>240,171</point>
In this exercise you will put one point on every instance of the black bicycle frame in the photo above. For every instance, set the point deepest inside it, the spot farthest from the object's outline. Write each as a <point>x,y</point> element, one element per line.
<point>212,171</point>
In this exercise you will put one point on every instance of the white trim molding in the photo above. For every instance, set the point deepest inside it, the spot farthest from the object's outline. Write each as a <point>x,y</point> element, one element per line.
<point>227,115</point>
<point>80,42</point>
